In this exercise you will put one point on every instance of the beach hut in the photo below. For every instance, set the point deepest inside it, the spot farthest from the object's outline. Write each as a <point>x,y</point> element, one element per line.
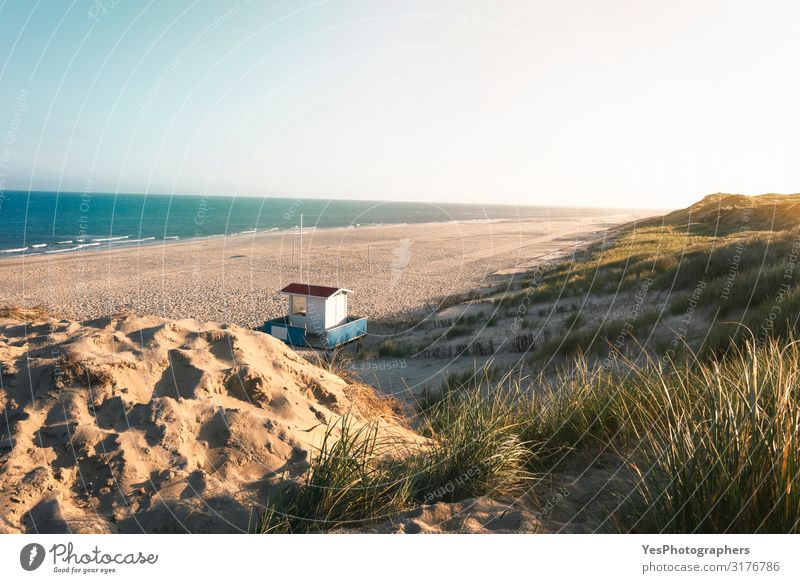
<point>317,317</point>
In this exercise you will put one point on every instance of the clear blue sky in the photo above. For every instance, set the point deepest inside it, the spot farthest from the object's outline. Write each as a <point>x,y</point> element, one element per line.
<point>621,103</point>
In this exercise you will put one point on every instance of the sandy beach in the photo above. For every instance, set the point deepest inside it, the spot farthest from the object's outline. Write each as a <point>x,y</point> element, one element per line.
<point>392,269</point>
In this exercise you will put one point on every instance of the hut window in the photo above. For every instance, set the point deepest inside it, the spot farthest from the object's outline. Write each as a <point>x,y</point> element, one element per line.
<point>299,307</point>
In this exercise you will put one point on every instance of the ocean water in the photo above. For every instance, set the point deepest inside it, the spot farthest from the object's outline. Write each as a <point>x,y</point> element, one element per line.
<point>49,222</point>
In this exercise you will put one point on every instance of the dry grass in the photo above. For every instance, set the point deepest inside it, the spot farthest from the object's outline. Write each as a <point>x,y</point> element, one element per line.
<point>360,478</point>
<point>370,405</point>
<point>77,371</point>
<point>727,260</point>
<point>715,443</point>
<point>24,314</point>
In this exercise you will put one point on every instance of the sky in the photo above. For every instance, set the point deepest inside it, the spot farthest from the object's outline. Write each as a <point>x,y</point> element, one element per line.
<point>587,103</point>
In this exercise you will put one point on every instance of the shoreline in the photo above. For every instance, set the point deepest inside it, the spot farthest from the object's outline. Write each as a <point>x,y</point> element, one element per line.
<point>393,269</point>
<point>103,242</point>
<point>151,242</point>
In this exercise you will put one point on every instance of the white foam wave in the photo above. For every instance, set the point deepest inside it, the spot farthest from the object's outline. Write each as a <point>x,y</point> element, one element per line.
<point>110,239</point>
<point>133,240</point>
<point>76,248</point>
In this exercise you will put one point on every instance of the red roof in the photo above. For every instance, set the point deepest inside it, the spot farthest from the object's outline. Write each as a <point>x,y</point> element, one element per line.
<point>320,291</point>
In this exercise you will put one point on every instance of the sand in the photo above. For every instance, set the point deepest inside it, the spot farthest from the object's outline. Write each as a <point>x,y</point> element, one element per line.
<point>132,424</point>
<point>131,410</point>
<point>392,269</point>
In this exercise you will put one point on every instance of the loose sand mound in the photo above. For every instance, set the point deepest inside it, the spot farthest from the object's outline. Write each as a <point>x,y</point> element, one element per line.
<point>132,424</point>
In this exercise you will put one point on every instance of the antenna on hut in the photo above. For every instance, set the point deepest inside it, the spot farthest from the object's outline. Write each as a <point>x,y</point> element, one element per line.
<point>301,246</point>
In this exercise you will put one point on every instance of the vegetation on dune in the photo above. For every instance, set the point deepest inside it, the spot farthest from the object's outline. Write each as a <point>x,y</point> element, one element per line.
<point>721,213</point>
<point>350,481</point>
<point>699,276</point>
<point>390,348</point>
<point>715,445</point>
<point>722,451</point>
<point>691,375</point>
<point>457,330</point>
<point>359,479</point>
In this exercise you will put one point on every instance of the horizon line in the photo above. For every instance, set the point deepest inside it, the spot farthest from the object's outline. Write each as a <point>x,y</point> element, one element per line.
<point>318,198</point>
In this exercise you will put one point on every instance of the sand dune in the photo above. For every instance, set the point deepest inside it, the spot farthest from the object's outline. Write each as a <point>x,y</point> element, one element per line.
<point>131,424</point>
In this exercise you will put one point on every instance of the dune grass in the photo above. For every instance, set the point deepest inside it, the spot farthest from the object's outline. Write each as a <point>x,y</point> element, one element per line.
<point>474,448</point>
<point>392,349</point>
<point>675,261</point>
<point>667,272</point>
<point>714,442</point>
<point>722,451</point>
<point>348,482</point>
<point>336,361</point>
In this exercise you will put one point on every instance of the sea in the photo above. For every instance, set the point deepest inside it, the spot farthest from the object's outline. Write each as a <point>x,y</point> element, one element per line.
<point>38,223</point>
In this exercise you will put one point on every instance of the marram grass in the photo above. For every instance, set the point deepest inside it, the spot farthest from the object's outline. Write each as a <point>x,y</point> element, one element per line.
<point>723,450</point>
<point>361,478</point>
<point>714,443</point>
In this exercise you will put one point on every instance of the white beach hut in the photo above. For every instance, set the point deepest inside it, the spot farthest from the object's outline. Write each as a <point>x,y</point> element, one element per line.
<point>316,307</point>
<point>317,316</point>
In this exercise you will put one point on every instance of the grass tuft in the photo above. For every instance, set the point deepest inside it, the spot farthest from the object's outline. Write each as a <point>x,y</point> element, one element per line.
<point>359,477</point>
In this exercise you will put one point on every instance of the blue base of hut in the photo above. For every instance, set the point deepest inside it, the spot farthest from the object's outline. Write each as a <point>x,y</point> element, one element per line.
<point>297,336</point>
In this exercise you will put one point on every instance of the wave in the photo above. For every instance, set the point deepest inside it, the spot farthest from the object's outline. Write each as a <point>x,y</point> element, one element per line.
<point>65,242</point>
<point>39,245</point>
<point>133,240</point>
<point>17,250</point>
<point>109,239</point>
<point>76,248</point>
<point>173,237</point>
